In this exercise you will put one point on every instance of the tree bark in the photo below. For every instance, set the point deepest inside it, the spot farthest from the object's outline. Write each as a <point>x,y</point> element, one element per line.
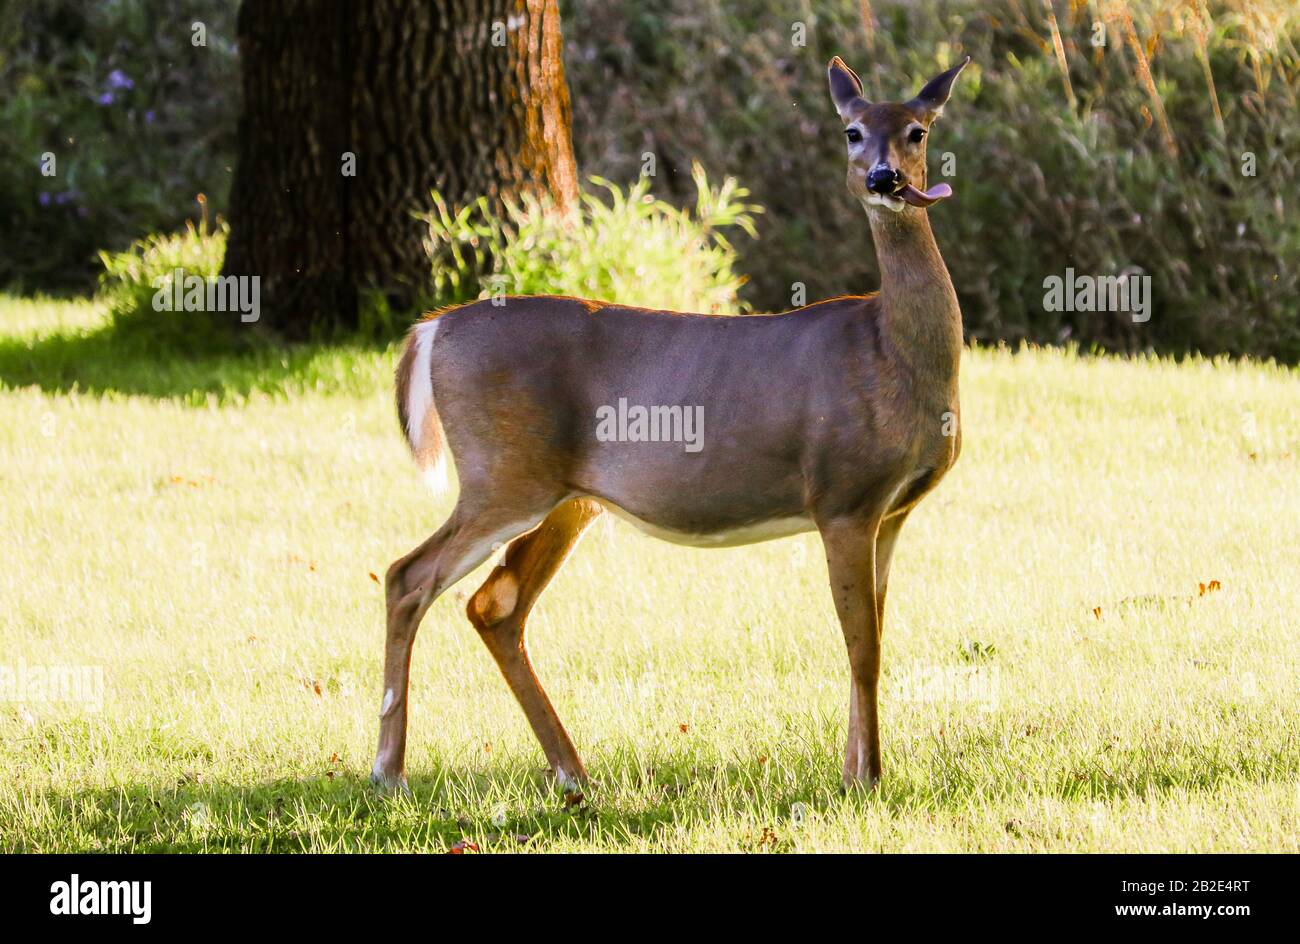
<point>464,96</point>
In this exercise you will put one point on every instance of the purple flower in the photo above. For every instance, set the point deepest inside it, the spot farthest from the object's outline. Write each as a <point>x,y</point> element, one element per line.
<point>149,116</point>
<point>105,99</point>
<point>117,79</point>
<point>45,199</point>
<point>62,198</point>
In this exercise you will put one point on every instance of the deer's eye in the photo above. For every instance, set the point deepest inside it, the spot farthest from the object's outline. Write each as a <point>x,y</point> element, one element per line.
<point>853,134</point>
<point>916,135</point>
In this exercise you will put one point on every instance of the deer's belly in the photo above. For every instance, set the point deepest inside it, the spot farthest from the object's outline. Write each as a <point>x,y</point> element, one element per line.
<point>727,537</point>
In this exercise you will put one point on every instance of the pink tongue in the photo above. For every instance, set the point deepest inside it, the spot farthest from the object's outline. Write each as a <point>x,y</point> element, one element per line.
<point>924,198</point>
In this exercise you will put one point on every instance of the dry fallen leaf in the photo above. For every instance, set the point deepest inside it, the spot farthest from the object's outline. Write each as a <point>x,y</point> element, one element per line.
<point>1096,611</point>
<point>373,576</point>
<point>462,847</point>
<point>295,559</point>
<point>682,728</point>
<point>192,483</point>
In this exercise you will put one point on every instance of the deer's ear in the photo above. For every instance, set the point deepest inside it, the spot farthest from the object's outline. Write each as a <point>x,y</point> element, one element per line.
<point>846,88</point>
<point>930,100</point>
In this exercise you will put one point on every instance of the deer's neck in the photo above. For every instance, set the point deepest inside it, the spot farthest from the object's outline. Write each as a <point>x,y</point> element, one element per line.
<point>921,319</point>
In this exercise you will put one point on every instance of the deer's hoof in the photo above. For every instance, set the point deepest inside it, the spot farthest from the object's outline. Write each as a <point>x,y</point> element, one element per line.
<point>569,783</point>
<point>866,784</point>
<point>389,782</point>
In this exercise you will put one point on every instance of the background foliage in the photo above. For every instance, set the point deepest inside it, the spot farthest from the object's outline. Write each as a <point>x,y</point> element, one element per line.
<point>1100,158</point>
<point>139,119</point>
<point>1042,182</point>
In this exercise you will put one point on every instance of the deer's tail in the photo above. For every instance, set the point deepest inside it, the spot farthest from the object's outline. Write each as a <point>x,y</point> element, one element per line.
<point>415,407</point>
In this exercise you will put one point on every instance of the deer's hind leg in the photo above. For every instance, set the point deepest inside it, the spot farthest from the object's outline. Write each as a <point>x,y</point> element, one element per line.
<point>499,611</point>
<point>413,583</point>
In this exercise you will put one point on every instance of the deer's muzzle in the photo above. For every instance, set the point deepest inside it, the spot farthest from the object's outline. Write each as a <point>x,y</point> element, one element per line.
<point>883,179</point>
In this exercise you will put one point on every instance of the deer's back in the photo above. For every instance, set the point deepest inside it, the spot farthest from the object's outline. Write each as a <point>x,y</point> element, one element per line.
<point>798,409</point>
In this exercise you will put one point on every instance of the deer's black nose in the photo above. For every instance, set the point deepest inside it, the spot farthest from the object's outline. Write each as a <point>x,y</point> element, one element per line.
<point>882,179</point>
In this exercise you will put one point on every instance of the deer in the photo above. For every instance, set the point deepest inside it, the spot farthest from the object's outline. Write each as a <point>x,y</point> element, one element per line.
<point>837,417</point>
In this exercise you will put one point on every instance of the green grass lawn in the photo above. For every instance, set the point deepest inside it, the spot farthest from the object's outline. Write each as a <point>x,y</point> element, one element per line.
<point>200,536</point>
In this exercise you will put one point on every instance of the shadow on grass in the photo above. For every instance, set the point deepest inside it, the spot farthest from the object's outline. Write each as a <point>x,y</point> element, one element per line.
<point>99,361</point>
<point>514,809</point>
<point>444,810</point>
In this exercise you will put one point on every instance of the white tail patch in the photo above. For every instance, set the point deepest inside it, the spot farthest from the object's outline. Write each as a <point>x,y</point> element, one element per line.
<point>435,476</point>
<point>419,400</point>
<point>419,388</point>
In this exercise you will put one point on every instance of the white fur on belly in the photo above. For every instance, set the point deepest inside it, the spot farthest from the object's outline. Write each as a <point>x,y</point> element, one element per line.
<point>746,534</point>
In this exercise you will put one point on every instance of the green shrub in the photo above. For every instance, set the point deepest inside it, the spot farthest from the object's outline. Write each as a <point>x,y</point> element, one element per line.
<point>133,278</point>
<point>633,249</point>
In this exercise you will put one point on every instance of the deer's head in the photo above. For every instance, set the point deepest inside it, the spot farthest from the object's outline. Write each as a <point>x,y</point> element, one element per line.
<point>886,140</point>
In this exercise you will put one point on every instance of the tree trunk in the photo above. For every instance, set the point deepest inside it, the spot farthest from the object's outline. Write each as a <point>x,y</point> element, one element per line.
<point>355,110</point>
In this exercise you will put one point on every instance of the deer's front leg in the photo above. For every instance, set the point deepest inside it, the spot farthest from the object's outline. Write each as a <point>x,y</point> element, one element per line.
<point>851,562</point>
